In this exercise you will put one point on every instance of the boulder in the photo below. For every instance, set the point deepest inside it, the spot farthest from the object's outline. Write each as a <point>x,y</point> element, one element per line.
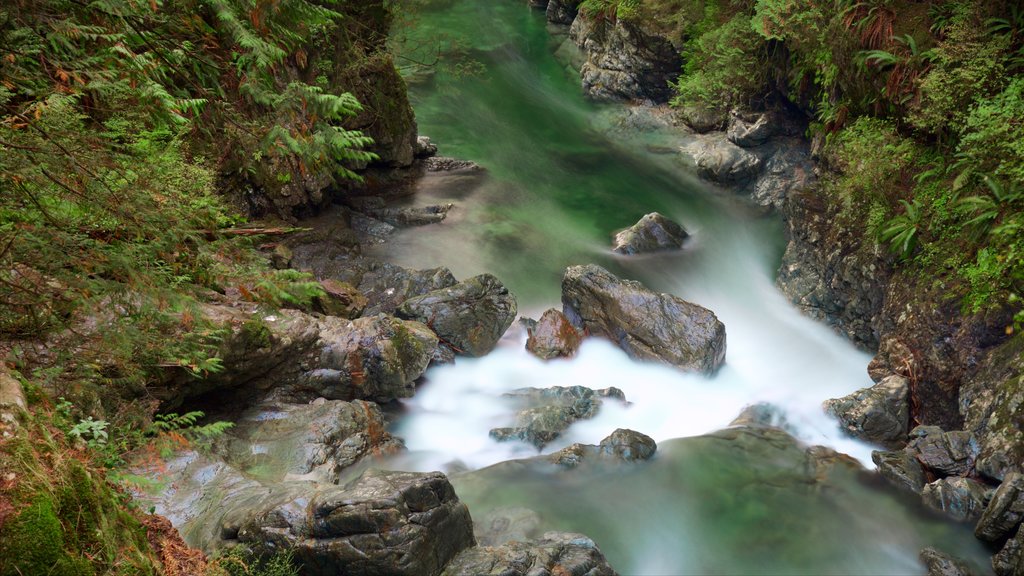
<point>555,554</point>
<point>752,130</point>
<point>1005,512</point>
<point>424,148</point>
<point>763,414</point>
<point>786,170</point>
<point>547,412</point>
<point>901,469</point>
<point>646,325</point>
<point>553,336</point>
<point>962,499</point>
<point>404,217</point>
<point>12,403</point>
<point>562,11</point>
<point>1010,560</point>
<point>275,442</point>
<point>387,286</point>
<point>652,233</point>
<point>942,564</point>
<point>446,164</point>
<point>944,453</point>
<point>702,119</point>
<point>628,445</point>
<point>879,414</point>
<point>370,230</point>
<point>470,316</point>
<point>721,161</point>
<point>396,523</point>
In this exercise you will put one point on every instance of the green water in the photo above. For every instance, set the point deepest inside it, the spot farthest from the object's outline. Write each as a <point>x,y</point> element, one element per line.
<point>562,175</point>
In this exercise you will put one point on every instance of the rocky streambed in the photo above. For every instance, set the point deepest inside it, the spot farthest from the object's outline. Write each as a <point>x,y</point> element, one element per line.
<point>623,448</point>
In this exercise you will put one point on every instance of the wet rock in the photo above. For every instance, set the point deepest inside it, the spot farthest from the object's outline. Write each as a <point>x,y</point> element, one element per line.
<point>786,171</point>
<point>341,299</point>
<point>721,161</point>
<point>993,407</point>
<point>556,553</point>
<point>553,336</point>
<point>424,148</point>
<point>562,11</point>
<point>397,523</point>
<point>961,499</point>
<point>281,257</point>
<point>645,324</point>
<point>506,524</point>
<point>751,130</point>
<point>446,164</point>
<point>1005,512</point>
<point>548,412</point>
<point>628,445</point>
<point>652,233</point>
<point>470,316</point>
<point>625,60</point>
<point>403,217</point>
<point>944,453</point>
<point>371,230</point>
<point>878,414</point>
<point>942,564</point>
<point>900,468</point>
<point>1010,560</point>
<point>276,442</point>
<point>387,286</point>
<point>703,119</point>
<point>763,414</point>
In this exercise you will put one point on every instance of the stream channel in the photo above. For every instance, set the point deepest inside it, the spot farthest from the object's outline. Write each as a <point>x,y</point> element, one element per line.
<point>562,174</point>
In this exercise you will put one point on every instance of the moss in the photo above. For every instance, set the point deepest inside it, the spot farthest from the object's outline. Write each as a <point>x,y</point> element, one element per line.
<point>33,542</point>
<point>408,348</point>
<point>255,333</point>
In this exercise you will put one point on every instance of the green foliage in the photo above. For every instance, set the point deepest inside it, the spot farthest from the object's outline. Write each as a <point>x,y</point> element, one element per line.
<point>93,432</point>
<point>725,67</point>
<point>992,137</point>
<point>901,232</point>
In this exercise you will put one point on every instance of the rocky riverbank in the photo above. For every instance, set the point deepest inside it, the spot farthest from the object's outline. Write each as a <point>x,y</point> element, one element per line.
<point>949,382</point>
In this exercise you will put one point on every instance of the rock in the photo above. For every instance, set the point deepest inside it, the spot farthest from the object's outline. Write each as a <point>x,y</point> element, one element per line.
<point>398,523</point>
<point>562,11</point>
<point>387,286</point>
<point>341,299</point>
<point>505,524</point>
<point>424,148</point>
<point>371,230</point>
<point>1010,560</point>
<point>548,412</point>
<point>12,403</point>
<point>402,217</point>
<point>1005,512</point>
<point>944,453</point>
<point>553,336</point>
<point>445,164</point>
<point>900,468</point>
<point>703,119</point>
<point>645,324</point>
<point>281,257</point>
<point>276,442</point>
<point>992,404</point>
<point>786,171</point>
<point>962,499</point>
<point>555,554</point>
<point>470,316</point>
<point>750,132</point>
<point>879,414</point>
<point>628,445</point>
<point>625,60</point>
<point>941,564</point>
<point>721,161</point>
<point>763,414</point>
<point>652,233</point>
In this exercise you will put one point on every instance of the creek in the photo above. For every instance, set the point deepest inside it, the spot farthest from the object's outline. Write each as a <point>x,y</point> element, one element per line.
<point>562,174</point>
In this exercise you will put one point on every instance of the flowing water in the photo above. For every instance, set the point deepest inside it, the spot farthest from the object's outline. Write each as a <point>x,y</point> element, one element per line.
<point>562,175</point>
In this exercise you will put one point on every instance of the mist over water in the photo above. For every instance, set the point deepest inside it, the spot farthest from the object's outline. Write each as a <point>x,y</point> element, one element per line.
<point>562,176</point>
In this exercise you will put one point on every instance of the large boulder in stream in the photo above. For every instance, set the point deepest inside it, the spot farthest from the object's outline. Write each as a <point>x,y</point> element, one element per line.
<point>554,554</point>
<point>721,161</point>
<point>394,523</point>
<point>621,446</point>
<point>547,412</point>
<point>647,325</point>
<point>470,316</point>
<point>652,233</point>
<point>1005,512</point>
<point>879,414</point>
<point>553,336</point>
<point>962,499</point>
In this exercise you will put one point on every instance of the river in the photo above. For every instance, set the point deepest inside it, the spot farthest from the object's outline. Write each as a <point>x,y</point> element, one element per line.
<point>562,174</point>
